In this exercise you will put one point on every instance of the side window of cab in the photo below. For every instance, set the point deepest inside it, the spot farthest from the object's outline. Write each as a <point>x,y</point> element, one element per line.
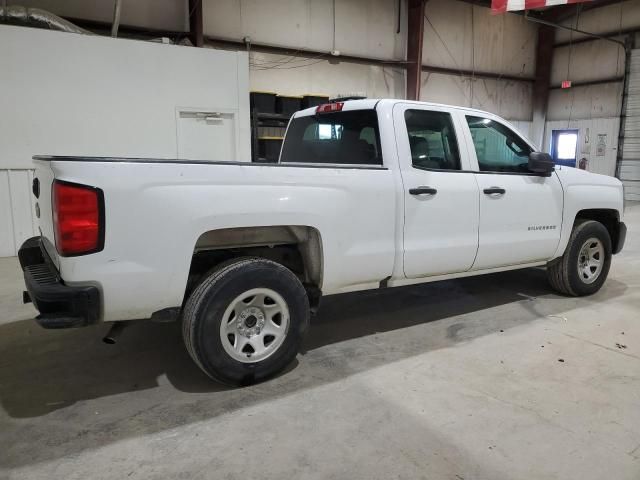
<point>498,148</point>
<point>432,140</point>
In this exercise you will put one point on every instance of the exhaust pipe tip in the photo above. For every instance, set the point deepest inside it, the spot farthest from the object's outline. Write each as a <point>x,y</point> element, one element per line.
<point>111,338</point>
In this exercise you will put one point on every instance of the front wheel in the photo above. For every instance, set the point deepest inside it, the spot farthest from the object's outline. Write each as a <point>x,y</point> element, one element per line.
<point>584,267</point>
<point>245,322</point>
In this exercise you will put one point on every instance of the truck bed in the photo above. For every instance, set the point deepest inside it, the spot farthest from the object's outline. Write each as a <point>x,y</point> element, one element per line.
<point>157,209</point>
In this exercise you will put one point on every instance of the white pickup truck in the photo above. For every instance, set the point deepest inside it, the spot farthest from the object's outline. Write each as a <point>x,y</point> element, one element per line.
<point>367,194</point>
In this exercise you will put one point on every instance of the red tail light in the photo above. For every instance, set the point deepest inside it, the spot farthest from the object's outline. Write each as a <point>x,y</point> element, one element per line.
<point>78,218</point>
<point>330,107</point>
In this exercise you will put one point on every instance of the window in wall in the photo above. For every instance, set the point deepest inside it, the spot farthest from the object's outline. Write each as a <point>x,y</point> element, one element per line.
<point>498,148</point>
<point>563,147</point>
<point>350,138</point>
<point>432,140</point>
<point>567,146</point>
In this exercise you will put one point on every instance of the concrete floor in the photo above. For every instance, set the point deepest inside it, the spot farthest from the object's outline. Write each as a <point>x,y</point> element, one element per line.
<point>482,378</point>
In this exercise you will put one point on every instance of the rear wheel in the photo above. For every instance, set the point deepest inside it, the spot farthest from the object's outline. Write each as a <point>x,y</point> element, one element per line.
<point>584,267</point>
<point>245,322</point>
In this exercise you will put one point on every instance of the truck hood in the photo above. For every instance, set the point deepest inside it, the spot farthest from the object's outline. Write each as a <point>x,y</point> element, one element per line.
<point>586,191</point>
<point>574,176</point>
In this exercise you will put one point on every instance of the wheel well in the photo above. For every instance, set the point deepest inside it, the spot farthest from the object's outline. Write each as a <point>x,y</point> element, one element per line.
<point>607,217</point>
<point>299,248</point>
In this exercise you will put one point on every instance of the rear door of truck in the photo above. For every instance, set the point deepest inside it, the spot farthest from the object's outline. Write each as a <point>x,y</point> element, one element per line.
<point>440,191</point>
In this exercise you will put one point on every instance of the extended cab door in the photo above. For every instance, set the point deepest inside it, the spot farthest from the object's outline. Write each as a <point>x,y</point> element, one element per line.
<point>520,212</point>
<point>440,197</point>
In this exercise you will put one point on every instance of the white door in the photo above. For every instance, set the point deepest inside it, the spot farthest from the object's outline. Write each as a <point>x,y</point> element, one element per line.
<point>520,212</point>
<point>440,194</point>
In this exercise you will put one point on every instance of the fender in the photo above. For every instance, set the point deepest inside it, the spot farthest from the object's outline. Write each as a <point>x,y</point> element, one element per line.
<point>586,191</point>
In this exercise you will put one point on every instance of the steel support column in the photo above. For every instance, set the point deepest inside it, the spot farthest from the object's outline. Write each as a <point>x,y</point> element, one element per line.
<point>544,56</point>
<point>415,33</point>
<point>195,23</point>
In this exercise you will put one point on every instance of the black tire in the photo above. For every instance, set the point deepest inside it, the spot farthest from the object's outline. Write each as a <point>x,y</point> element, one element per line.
<point>563,272</point>
<point>204,311</point>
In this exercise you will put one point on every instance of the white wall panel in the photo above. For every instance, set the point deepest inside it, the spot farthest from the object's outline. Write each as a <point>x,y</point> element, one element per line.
<point>322,77</point>
<point>594,101</point>
<point>446,89</point>
<point>17,218</point>
<point>610,18</point>
<point>362,27</point>
<point>458,33</point>
<point>69,94</point>
<point>523,126</point>
<point>509,99</point>
<point>83,95</point>
<point>158,14</point>
<point>587,61</point>
<point>589,129</point>
<point>7,242</point>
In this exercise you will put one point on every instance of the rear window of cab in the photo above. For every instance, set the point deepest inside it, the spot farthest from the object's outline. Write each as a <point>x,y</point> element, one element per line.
<point>344,138</point>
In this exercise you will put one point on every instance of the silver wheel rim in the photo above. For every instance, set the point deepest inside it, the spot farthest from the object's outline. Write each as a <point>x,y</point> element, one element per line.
<point>254,325</point>
<point>590,260</point>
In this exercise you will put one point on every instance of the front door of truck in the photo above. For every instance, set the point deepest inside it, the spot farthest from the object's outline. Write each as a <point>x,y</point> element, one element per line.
<point>520,212</point>
<point>440,193</point>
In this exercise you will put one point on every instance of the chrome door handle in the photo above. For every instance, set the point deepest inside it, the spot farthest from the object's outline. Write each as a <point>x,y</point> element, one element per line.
<point>494,191</point>
<point>423,191</point>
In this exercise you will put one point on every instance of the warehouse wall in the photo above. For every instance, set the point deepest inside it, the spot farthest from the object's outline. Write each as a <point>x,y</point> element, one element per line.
<point>158,14</point>
<point>362,27</point>
<point>594,109</point>
<point>507,98</point>
<point>365,28</point>
<point>322,77</point>
<point>69,94</point>
<point>588,138</point>
<point>623,15</point>
<point>459,35</point>
<point>588,61</point>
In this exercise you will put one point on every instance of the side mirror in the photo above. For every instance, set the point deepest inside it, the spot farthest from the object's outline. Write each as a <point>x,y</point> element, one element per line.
<point>540,162</point>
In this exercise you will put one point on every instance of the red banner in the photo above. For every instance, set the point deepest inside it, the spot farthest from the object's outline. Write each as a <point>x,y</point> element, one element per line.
<point>501,6</point>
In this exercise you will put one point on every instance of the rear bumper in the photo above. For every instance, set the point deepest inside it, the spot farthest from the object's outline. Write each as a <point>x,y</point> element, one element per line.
<point>60,305</point>
<point>622,236</point>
